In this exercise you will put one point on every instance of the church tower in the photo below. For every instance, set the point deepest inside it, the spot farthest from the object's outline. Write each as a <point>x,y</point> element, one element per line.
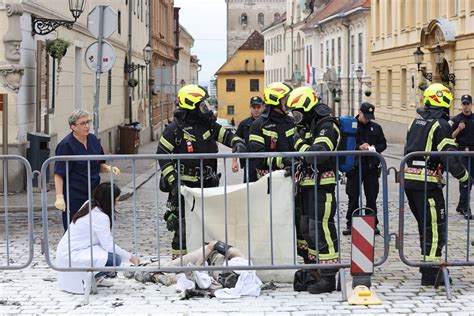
<point>246,16</point>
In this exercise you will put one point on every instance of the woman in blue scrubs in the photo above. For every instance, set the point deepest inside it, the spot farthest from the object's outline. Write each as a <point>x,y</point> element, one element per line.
<point>78,142</point>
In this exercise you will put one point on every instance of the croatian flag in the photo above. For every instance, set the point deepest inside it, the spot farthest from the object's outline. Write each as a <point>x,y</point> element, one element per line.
<point>310,75</point>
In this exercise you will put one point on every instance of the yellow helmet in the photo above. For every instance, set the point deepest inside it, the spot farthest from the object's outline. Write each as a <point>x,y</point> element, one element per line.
<point>302,98</point>
<point>274,92</point>
<point>190,95</point>
<point>437,95</point>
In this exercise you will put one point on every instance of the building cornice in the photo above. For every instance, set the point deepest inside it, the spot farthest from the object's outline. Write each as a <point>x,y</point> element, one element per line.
<point>239,72</point>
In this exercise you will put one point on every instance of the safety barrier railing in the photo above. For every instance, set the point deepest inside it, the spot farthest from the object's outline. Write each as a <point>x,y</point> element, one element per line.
<point>16,255</point>
<point>244,231</point>
<point>442,220</point>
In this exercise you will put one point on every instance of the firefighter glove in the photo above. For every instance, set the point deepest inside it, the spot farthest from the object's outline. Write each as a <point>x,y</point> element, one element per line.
<point>172,222</point>
<point>114,170</point>
<point>60,204</point>
<point>239,147</point>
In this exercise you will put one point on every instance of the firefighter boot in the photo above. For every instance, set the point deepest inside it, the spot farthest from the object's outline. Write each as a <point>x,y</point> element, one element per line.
<point>428,276</point>
<point>326,284</point>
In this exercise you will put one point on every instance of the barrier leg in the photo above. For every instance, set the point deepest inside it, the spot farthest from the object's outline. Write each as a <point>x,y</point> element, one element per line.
<point>341,284</point>
<point>444,273</point>
<point>87,287</point>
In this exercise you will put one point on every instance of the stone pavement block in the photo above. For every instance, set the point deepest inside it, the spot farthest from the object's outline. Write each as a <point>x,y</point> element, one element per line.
<point>423,310</point>
<point>278,314</point>
<point>400,310</point>
<point>380,311</point>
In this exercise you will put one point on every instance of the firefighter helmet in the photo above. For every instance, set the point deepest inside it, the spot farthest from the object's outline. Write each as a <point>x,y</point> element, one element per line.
<point>303,98</point>
<point>191,95</point>
<point>437,95</point>
<point>276,91</point>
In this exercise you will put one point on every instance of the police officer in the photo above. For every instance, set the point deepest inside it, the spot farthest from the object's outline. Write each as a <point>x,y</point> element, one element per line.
<point>274,130</point>
<point>431,132</point>
<point>463,132</point>
<point>243,131</point>
<point>194,130</point>
<point>325,135</point>
<point>369,137</point>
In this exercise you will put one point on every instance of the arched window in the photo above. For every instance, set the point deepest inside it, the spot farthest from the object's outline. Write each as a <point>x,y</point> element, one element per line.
<point>243,19</point>
<point>276,16</point>
<point>261,19</point>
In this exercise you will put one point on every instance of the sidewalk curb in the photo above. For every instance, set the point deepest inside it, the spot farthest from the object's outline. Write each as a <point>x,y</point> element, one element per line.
<point>128,190</point>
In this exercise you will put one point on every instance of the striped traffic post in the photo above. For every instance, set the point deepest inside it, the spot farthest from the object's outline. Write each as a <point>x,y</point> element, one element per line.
<point>362,257</point>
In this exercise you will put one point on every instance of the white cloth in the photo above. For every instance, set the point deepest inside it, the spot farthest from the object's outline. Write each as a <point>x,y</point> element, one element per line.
<point>248,284</point>
<point>80,240</point>
<point>184,284</point>
<point>202,279</point>
<point>237,221</point>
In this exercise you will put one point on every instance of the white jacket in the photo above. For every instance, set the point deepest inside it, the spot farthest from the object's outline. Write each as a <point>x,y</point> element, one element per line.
<point>80,240</point>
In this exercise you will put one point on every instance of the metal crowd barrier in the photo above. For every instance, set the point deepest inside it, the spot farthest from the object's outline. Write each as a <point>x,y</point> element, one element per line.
<point>10,221</point>
<point>450,258</point>
<point>156,218</point>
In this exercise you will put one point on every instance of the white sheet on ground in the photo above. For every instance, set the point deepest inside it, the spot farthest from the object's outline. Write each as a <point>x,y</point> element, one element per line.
<point>237,221</point>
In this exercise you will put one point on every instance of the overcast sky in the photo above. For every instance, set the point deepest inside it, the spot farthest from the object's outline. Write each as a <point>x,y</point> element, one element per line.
<point>205,20</point>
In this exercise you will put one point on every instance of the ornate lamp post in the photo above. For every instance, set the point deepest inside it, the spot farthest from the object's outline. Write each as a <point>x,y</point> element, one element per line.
<point>43,26</point>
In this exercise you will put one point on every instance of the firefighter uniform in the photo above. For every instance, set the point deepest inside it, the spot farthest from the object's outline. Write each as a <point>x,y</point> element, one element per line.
<point>424,175</point>
<point>273,131</point>
<point>191,132</point>
<point>368,132</point>
<point>324,135</point>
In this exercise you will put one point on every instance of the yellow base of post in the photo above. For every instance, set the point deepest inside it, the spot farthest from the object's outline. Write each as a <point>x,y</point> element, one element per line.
<point>362,295</point>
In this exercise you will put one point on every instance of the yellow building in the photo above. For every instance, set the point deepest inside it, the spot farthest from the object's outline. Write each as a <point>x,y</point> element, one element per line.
<point>444,31</point>
<point>241,78</point>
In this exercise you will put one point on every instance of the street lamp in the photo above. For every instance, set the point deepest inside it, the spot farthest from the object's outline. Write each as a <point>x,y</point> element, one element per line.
<point>359,71</point>
<point>418,54</point>
<point>43,26</point>
<point>147,52</point>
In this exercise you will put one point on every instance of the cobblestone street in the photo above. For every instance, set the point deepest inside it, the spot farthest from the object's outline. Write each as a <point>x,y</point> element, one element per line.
<point>34,289</point>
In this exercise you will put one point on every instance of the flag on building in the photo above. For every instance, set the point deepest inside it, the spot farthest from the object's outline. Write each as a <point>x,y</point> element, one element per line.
<point>310,75</point>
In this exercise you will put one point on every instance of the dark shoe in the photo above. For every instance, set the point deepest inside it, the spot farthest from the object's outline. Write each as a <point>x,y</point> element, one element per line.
<point>428,277</point>
<point>468,215</point>
<point>431,280</point>
<point>305,278</point>
<point>325,285</point>
<point>376,230</point>
<point>347,231</point>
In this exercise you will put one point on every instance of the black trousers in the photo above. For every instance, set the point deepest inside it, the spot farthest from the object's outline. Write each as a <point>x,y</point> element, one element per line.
<point>430,214</point>
<point>322,232</point>
<point>178,243</point>
<point>370,181</point>
<point>464,191</point>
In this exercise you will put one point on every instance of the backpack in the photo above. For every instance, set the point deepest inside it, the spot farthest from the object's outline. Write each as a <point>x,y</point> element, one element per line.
<point>348,126</point>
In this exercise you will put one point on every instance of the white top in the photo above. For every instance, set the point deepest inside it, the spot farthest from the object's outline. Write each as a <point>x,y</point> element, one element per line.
<point>80,241</point>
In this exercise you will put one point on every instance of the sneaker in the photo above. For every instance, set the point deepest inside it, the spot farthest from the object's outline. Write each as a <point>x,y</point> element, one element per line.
<point>347,231</point>
<point>104,282</point>
<point>325,285</point>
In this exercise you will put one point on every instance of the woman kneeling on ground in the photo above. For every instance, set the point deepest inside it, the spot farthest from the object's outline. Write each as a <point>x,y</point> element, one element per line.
<point>102,242</point>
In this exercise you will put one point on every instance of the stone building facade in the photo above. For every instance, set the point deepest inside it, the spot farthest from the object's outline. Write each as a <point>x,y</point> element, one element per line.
<point>398,28</point>
<point>246,16</point>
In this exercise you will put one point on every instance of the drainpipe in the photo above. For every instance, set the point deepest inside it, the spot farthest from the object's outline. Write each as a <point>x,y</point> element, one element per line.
<point>129,56</point>
<point>351,110</point>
